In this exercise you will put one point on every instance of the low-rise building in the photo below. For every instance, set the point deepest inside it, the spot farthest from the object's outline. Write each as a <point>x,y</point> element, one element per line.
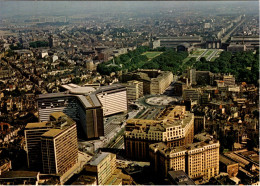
<point>229,166</point>
<point>179,177</point>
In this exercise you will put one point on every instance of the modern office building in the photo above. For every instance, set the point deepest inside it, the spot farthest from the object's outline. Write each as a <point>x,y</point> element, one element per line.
<point>134,90</point>
<point>174,126</point>
<point>102,166</point>
<point>86,110</point>
<point>52,146</point>
<point>32,133</point>
<point>113,99</point>
<point>198,160</point>
<point>192,94</point>
<point>59,145</point>
<point>154,81</point>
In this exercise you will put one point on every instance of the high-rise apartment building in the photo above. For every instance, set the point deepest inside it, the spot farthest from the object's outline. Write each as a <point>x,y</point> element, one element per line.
<point>52,146</point>
<point>200,159</point>
<point>174,126</point>
<point>32,133</point>
<point>59,146</point>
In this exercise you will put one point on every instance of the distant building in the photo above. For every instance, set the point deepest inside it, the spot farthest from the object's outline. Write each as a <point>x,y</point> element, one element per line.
<point>178,88</point>
<point>199,124</point>
<point>175,41</point>
<point>173,125</point>
<point>134,90</point>
<point>90,65</point>
<point>179,177</point>
<point>198,160</point>
<point>192,94</point>
<point>185,47</point>
<point>154,81</point>
<point>229,80</point>
<point>236,48</point>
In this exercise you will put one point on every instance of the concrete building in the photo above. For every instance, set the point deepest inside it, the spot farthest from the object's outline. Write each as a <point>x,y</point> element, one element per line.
<point>52,146</point>
<point>59,145</point>
<point>86,110</point>
<point>154,81</point>
<point>174,126</point>
<point>134,90</point>
<point>198,160</point>
<point>229,80</point>
<point>192,94</point>
<point>229,166</point>
<point>32,133</point>
<point>175,41</point>
<point>199,124</point>
<point>113,99</point>
<point>102,166</point>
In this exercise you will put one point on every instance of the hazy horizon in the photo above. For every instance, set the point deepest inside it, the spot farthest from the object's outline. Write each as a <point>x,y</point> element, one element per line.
<point>68,8</point>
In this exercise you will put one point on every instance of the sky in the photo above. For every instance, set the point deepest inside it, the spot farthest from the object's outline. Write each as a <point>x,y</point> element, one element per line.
<point>38,8</point>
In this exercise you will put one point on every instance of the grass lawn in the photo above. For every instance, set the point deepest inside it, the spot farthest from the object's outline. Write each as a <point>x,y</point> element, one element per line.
<point>208,53</point>
<point>152,55</point>
<point>186,59</point>
<point>197,52</point>
<point>213,59</point>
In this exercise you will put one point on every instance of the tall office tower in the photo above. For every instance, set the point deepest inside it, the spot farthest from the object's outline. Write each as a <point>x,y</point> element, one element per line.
<point>134,90</point>
<point>52,146</point>
<point>33,132</point>
<point>86,110</point>
<point>198,160</point>
<point>59,145</point>
<point>102,166</point>
<point>113,99</point>
<point>174,126</point>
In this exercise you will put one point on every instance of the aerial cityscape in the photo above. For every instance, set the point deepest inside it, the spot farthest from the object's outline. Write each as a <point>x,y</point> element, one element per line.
<point>129,93</point>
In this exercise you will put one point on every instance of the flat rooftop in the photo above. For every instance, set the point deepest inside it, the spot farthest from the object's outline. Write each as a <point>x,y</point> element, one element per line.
<point>19,174</point>
<point>52,132</point>
<point>226,160</point>
<point>109,88</point>
<point>180,178</point>
<point>98,158</point>
<point>37,125</point>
